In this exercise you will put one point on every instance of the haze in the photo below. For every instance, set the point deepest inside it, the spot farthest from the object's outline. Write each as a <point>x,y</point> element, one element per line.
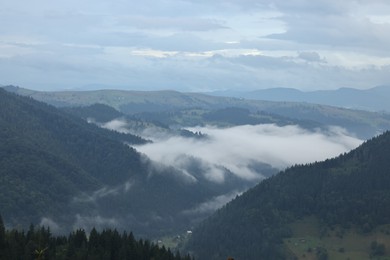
<point>191,45</point>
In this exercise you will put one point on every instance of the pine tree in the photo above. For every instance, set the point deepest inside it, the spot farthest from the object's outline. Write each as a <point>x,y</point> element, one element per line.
<point>3,243</point>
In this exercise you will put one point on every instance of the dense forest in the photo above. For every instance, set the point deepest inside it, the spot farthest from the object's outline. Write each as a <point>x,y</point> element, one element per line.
<point>352,190</point>
<point>57,168</point>
<point>47,156</point>
<point>99,112</point>
<point>38,243</point>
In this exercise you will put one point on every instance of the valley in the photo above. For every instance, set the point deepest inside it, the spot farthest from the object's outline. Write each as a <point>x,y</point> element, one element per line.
<point>195,130</point>
<point>162,172</point>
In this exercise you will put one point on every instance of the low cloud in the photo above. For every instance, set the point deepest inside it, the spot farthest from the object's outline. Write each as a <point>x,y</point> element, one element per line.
<point>48,222</point>
<point>236,148</point>
<point>211,205</point>
<point>155,167</point>
<point>103,192</point>
<point>151,132</point>
<point>118,125</point>
<point>99,222</point>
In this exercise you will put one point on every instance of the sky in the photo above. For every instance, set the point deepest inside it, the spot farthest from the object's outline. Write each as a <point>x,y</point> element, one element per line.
<point>194,46</point>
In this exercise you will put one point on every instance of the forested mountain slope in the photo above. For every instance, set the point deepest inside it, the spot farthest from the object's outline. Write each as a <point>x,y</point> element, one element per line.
<point>58,170</point>
<point>177,107</point>
<point>351,191</point>
<point>47,156</point>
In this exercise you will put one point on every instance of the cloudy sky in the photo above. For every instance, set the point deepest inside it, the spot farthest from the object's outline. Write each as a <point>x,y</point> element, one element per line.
<point>192,45</point>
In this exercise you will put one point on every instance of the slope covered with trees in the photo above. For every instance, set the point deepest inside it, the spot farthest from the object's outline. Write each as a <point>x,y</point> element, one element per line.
<point>57,169</point>
<point>352,190</point>
<point>47,156</point>
<point>39,243</point>
<point>98,112</point>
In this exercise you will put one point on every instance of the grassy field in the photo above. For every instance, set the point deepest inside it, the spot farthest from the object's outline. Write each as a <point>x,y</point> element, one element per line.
<point>175,242</point>
<point>311,241</point>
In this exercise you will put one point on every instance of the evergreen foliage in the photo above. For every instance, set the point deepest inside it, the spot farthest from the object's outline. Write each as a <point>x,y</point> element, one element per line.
<point>47,156</point>
<point>99,112</point>
<point>350,190</point>
<point>58,170</point>
<point>39,243</point>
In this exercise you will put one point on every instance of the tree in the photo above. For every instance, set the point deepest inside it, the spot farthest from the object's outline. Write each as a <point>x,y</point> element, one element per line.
<point>377,249</point>
<point>3,244</point>
<point>2,233</point>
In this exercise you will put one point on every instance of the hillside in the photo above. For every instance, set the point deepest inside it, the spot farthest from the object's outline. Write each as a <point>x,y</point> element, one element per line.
<point>58,170</point>
<point>350,192</point>
<point>373,99</point>
<point>47,157</point>
<point>190,108</point>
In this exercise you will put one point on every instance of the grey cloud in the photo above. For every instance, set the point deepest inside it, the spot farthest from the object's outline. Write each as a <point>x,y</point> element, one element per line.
<point>258,72</point>
<point>278,63</point>
<point>53,45</point>
<point>336,31</point>
<point>324,7</point>
<point>296,6</point>
<point>181,23</point>
<point>310,56</point>
<point>182,73</point>
<point>184,42</point>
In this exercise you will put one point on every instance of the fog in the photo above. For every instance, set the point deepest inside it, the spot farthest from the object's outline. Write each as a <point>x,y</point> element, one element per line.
<point>211,205</point>
<point>222,163</point>
<point>237,148</point>
<point>48,222</point>
<point>97,221</point>
<point>103,192</point>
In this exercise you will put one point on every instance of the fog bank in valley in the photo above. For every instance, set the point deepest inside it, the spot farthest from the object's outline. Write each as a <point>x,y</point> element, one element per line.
<point>238,148</point>
<point>204,170</point>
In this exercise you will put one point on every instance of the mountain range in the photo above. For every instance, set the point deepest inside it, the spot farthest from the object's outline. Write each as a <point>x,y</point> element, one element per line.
<point>373,99</point>
<point>189,109</point>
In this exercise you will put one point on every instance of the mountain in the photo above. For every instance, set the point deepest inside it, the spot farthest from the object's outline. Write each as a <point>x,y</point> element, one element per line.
<point>175,108</point>
<point>338,205</point>
<point>58,170</point>
<point>46,156</point>
<point>373,99</point>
